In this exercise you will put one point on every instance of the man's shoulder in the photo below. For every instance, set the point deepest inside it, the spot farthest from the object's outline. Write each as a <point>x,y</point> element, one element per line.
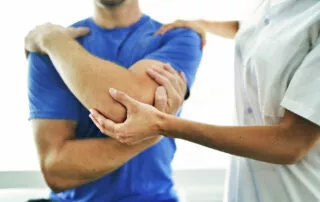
<point>183,34</point>
<point>179,32</point>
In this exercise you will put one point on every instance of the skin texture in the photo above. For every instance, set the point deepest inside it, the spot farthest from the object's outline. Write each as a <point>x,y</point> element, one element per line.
<point>290,140</point>
<point>223,29</point>
<point>67,162</point>
<point>286,143</point>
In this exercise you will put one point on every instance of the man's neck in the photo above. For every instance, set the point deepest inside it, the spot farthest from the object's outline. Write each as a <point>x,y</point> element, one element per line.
<point>117,17</point>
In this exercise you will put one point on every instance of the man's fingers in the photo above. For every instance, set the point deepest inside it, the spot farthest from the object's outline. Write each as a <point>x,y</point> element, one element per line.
<point>105,125</point>
<point>161,99</point>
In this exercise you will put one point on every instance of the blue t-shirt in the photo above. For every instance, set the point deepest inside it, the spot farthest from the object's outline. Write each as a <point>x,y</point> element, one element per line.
<point>147,177</point>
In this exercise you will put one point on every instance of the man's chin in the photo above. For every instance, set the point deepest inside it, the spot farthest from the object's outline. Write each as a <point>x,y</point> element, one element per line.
<point>110,3</point>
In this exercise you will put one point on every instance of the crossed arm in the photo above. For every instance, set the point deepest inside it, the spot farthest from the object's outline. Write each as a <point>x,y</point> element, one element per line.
<point>66,162</point>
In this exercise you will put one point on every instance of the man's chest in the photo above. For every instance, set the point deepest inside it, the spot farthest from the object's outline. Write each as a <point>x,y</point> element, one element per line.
<point>125,50</point>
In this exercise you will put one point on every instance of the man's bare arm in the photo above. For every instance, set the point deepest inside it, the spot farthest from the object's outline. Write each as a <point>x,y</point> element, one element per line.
<point>68,163</point>
<point>90,78</point>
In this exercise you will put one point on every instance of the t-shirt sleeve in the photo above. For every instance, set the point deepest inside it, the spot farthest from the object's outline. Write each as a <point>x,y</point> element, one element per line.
<point>181,48</point>
<point>49,97</point>
<point>303,94</point>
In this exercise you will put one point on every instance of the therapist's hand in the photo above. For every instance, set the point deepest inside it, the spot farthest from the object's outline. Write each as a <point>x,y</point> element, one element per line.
<point>36,38</point>
<point>194,25</point>
<point>142,119</point>
<point>175,84</point>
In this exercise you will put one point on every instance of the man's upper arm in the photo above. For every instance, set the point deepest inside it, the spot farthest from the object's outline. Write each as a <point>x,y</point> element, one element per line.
<point>49,98</point>
<point>182,50</point>
<point>53,109</point>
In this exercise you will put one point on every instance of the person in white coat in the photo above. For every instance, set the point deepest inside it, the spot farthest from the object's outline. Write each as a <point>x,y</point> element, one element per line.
<point>276,141</point>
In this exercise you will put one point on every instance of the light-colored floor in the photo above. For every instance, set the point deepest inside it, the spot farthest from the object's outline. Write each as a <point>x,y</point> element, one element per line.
<point>192,186</point>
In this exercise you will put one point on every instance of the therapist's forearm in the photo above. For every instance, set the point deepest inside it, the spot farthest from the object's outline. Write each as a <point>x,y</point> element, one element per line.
<point>226,29</point>
<point>89,77</point>
<point>272,144</point>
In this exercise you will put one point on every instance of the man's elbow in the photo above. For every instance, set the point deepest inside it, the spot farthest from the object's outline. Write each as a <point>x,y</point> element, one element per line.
<point>55,185</point>
<point>54,182</point>
<point>143,93</point>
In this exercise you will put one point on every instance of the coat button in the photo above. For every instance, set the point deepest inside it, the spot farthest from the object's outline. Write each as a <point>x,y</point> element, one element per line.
<point>266,21</point>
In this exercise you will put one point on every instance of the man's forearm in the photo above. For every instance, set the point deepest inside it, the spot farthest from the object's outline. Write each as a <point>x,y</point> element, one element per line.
<point>272,144</point>
<point>223,29</point>
<point>80,162</point>
<point>89,77</point>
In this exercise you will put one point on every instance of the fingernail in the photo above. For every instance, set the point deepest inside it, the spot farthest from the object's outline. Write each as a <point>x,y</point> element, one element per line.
<point>162,90</point>
<point>150,70</point>
<point>112,91</point>
<point>91,111</point>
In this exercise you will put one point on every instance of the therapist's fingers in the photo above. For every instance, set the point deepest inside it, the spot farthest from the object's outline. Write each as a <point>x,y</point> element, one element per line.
<point>106,126</point>
<point>185,24</point>
<point>182,82</point>
<point>165,28</point>
<point>183,77</point>
<point>203,37</point>
<point>165,73</point>
<point>169,78</point>
<point>170,69</point>
<point>161,99</point>
<point>124,99</point>
<point>170,26</point>
<point>161,80</point>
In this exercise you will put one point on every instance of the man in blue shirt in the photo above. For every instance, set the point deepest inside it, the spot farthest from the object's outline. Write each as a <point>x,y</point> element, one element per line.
<point>78,162</point>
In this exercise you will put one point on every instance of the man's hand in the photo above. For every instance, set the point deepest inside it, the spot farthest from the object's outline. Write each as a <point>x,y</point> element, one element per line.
<point>175,84</point>
<point>142,119</point>
<point>34,41</point>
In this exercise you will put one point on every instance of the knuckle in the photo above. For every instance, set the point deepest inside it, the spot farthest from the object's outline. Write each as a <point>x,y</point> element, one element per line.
<point>130,143</point>
<point>166,80</point>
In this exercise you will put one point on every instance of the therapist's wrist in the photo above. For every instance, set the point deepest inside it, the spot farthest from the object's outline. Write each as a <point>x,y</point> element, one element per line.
<point>164,124</point>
